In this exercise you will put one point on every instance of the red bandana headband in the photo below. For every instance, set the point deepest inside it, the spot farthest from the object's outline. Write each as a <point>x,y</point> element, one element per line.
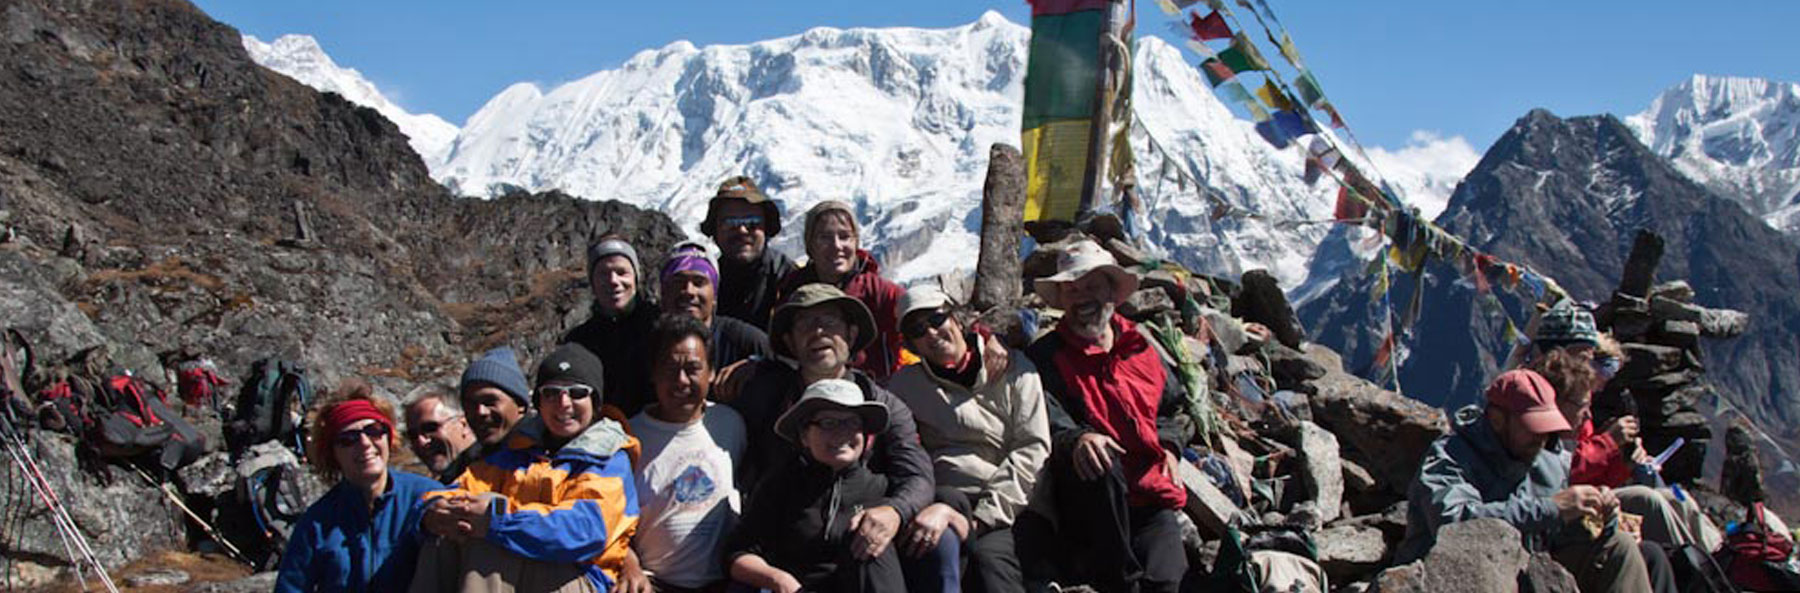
<point>349,412</point>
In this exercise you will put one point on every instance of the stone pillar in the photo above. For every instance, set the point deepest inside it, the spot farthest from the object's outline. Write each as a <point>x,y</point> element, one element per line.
<point>997,270</point>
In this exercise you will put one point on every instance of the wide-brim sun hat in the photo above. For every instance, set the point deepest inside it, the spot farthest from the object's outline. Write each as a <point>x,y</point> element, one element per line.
<point>742,188</point>
<point>831,394</point>
<point>1077,261</point>
<point>814,295</point>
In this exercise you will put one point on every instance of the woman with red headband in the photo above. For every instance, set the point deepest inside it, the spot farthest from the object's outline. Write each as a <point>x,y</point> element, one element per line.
<point>362,535</point>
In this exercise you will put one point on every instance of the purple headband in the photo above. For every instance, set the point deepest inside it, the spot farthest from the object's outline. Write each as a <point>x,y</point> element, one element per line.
<point>690,258</point>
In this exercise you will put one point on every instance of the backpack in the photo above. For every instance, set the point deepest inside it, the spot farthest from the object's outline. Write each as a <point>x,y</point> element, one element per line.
<point>1695,571</point>
<point>274,498</point>
<point>1757,558</point>
<point>198,383</point>
<point>66,405</point>
<point>270,405</point>
<point>1233,568</point>
<point>133,419</point>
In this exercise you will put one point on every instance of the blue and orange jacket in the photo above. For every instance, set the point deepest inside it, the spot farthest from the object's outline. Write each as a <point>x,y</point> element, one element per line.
<point>576,504</point>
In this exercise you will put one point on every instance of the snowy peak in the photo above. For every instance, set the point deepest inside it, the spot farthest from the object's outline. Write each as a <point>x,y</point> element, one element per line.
<point>300,57</point>
<point>1738,136</point>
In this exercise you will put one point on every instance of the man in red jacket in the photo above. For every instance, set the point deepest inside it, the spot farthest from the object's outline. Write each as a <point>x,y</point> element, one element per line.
<point>1113,430</point>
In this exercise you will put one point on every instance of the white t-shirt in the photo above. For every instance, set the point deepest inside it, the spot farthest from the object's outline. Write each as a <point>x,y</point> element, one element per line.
<point>687,500</point>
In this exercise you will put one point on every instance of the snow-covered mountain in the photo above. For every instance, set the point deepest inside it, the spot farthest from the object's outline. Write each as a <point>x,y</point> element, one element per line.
<point>1738,136</point>
<point>301,58</point>
<point>899,122</point>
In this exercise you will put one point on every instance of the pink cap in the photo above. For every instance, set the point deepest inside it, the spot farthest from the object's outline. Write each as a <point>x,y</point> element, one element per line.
<point>1528,396</point>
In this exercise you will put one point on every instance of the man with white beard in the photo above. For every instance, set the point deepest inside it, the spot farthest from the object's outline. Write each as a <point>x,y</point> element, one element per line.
<point>1113,432</point>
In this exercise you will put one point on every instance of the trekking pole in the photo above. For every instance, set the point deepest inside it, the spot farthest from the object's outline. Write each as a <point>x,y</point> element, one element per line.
<point>73,540</point>
<point>204,526</point>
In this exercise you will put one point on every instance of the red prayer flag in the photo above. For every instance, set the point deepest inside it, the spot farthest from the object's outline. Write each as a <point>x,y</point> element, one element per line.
<point>1348,207</point>
<point>1210,27</point>
<point>1337,121</point>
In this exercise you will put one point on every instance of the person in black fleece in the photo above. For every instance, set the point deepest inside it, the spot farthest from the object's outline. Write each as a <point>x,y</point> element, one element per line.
<point>621,317</point>
<point>796,533</point>
<point>741,220</point>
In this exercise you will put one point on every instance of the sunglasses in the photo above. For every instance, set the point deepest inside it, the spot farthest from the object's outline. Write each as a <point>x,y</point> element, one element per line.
<point>836,425</point>
<point>425,428</point>
<point>576,391</point>
<point>749,222</point>
<point>917,325</point>
<point>349,438</point>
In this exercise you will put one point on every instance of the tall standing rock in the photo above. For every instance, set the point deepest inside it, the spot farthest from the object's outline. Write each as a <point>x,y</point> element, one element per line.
<point>1002,223</point>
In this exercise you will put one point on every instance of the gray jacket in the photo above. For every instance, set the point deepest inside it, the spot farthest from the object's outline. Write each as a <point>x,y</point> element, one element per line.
<point>1468,474</point>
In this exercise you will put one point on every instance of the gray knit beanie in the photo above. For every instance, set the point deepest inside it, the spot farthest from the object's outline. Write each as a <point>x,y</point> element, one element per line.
<point>614,246</point>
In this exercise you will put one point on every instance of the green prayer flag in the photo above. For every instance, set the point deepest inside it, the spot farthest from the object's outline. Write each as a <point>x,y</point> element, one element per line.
<point>1063,67</point>
<point>1242,56</point>
<point>1308,87</point>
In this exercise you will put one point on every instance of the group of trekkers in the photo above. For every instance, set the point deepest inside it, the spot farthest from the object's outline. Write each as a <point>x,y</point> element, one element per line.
<point>757,429</point>
<point>766,426</point>
<point>1530,455</point>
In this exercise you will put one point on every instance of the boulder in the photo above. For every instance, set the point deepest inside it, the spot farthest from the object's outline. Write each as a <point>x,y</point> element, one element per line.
<point>1543,575</point>
<point>1479,556</point>
<point>1322,470</point>
<point>1350,552</point>
<point>256,583</point>
<point>1391,431</point>
<point>1713,323</point>
<point>1262,301</point>
<point>1146,303</point>
<point>1405,578</point>
<point>1291,368</point>
<point>1208,506</point>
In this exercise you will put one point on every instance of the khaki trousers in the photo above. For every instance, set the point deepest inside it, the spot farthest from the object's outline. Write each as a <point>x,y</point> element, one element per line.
<point>1612,564</point>
<point>476,566</point>
<point>1668,520</point>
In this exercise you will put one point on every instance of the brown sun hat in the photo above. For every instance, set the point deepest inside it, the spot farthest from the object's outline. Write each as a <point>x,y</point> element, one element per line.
<point>742,188</point>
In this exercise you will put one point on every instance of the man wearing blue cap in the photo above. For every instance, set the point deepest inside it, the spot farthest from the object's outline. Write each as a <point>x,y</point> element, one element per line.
<point>493,394</point>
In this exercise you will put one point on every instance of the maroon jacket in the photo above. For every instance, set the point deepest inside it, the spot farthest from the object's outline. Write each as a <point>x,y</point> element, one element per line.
<point>864,282</point>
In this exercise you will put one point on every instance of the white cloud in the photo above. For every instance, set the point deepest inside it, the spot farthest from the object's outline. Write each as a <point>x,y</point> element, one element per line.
<point>1426,170</point>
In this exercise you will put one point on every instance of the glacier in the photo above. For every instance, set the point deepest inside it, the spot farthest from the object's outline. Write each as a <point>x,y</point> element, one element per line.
<point>897,121</point>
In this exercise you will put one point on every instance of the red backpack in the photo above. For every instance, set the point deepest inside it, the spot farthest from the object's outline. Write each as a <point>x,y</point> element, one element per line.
<point>1757,558</point>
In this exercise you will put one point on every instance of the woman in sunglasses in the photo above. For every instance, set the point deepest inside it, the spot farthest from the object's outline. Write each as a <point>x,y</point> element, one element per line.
<point>553,508</point>
<point>363,534</point>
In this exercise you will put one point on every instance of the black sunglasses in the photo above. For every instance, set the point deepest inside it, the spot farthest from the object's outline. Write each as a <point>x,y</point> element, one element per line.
<point>917,325</point>
<point>428,427</point>
<point>749,222</point>
<point>576,391</point>
<point>374,430</point>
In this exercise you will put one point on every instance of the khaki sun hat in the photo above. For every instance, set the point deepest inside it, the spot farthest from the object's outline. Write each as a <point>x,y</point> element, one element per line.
<point>1078,260</point>
<point>831,394</point>
<point>813,295</point>
<point>742,188</point>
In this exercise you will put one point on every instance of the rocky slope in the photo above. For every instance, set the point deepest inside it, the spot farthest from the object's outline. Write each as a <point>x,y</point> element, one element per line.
<point>153,177</point>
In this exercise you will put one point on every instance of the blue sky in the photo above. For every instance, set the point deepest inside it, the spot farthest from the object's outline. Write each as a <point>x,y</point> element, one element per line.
<point>1447,66</point>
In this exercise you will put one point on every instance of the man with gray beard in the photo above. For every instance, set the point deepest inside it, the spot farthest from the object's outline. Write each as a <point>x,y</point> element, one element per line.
<point>1113,432</point>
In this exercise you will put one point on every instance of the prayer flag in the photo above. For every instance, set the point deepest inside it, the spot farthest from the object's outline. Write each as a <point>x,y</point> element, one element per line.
<point>1210,27</point>
<point>1273,96</point>
<point>1293,124</point>
<point>1216,71</point>
<point>1349,207</point>
<point>1061,74</point>
<point>1242,56</point>
<point>1062,7</point>
<point>1168,7</point>
<point>1186,3</point>
<point>1308,88</point>
<point>1289,51</point>
<point>1215,4</point>
<point>1206,53</point>
<point>1272,133</point>
<point>1337,121</point>
<point>1313,170</point>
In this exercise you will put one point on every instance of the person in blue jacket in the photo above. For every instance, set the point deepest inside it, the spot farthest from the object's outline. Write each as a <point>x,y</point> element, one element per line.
<point>362,535</point>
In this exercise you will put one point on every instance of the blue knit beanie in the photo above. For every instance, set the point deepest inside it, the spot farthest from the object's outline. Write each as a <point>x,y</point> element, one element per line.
<point>500,368</point>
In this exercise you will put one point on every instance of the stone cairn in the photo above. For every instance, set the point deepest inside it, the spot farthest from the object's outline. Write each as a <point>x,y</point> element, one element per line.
<point>1663,380</point>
